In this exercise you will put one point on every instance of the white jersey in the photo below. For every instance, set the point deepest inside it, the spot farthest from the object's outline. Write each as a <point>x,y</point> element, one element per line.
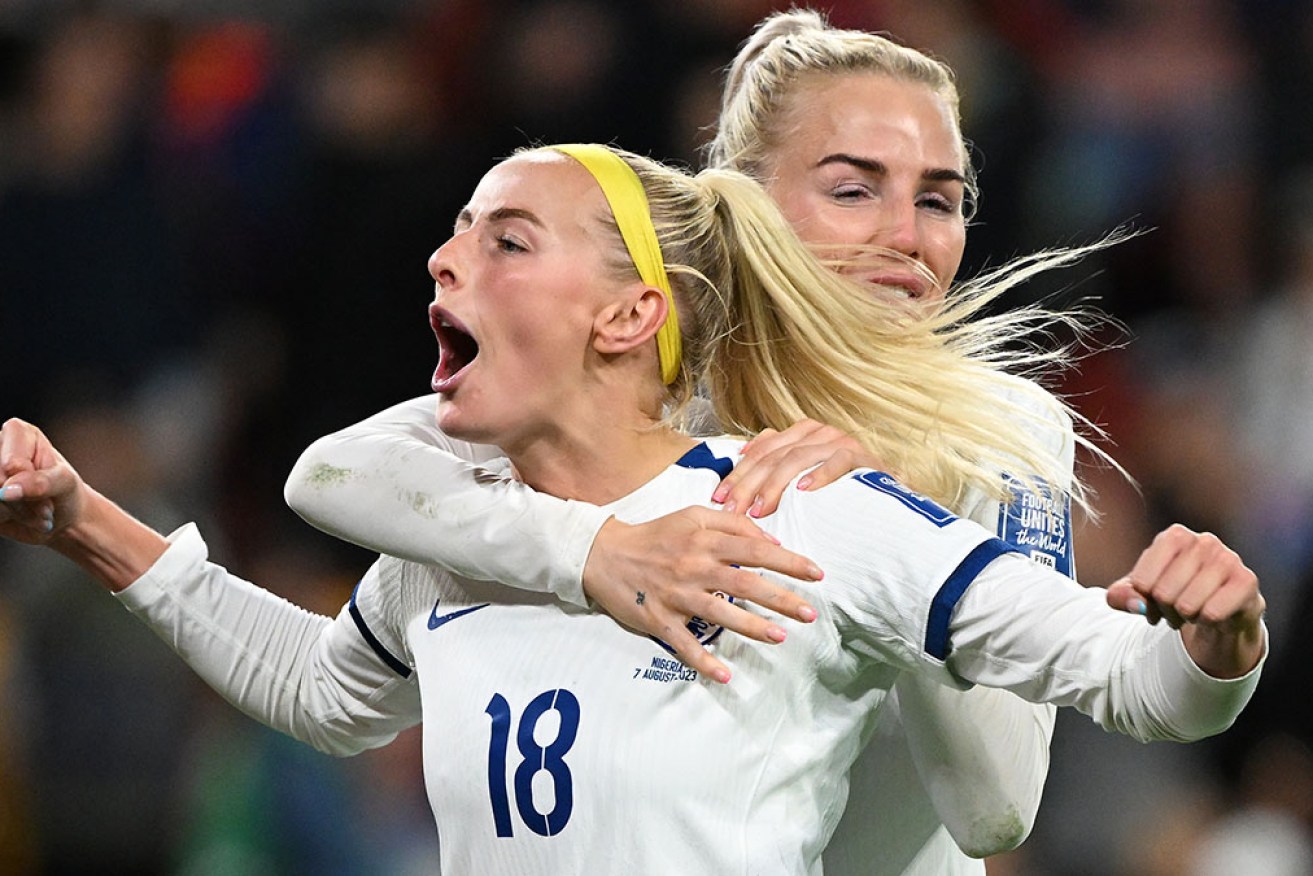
<point>944,766</point>
<point>557,742</point>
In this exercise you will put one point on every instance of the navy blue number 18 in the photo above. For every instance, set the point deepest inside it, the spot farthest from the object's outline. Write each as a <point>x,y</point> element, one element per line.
<point>533,757</point>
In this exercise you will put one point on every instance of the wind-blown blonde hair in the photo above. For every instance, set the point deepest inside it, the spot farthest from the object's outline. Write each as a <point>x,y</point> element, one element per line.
<point>777,336</point>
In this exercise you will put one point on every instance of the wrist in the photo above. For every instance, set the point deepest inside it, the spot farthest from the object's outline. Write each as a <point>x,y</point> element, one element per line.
<point>1224,654</point>
<point>108,543</point>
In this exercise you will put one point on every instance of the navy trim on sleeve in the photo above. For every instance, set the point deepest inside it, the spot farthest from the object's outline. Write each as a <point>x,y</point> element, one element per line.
<point>370,639</point>
<point>702,457</point>
<point>941,607</point>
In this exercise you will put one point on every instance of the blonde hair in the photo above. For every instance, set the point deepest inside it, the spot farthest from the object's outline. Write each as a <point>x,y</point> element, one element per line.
<point>778,336</point>
<point>785,52</point>
<point>859,358</point>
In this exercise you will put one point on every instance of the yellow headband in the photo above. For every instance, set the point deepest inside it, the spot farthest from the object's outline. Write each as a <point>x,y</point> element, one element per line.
<point>624,193</point>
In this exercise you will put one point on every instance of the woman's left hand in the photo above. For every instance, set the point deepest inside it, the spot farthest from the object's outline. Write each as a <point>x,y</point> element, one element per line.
<point>773,459</point>
<point>1201,587</point>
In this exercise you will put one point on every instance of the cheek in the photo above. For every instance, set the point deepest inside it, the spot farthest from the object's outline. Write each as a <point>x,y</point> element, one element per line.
<point>944,254</point>
<point>818,221</point>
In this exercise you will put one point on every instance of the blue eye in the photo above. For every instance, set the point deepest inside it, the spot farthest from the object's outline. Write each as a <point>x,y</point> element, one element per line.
<point>509,245</point>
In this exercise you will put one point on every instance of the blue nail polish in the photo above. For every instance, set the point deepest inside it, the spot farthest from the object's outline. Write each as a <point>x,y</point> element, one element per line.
<point>1140,607</point>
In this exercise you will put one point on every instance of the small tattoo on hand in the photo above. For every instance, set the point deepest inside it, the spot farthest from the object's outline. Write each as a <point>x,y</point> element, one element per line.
<point>641,597</point>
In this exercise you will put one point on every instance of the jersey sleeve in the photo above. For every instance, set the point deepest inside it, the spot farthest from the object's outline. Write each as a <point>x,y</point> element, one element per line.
<point>1041,635</point>
<point>394,483</point>
<point>311,677</point>
<point>982,756</point>
<point>896,563</point>
<point>938,595</point>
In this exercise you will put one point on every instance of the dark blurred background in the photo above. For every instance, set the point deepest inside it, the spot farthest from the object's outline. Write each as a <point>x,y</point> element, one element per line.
<point>213,232</point>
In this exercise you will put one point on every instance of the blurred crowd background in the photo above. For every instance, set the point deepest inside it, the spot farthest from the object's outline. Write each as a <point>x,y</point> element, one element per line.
<point>214,221</point>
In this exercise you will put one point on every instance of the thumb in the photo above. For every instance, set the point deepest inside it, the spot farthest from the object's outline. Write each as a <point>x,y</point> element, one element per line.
<point>1123,596</point>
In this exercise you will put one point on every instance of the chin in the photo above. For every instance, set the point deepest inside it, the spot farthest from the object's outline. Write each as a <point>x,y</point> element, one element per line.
<point>455,423</point>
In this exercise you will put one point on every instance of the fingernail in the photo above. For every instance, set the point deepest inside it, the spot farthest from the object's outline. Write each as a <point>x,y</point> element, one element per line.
<point>776,634</point>
<point>1139,607</point>
<point>721,675</point>
<point>755,510</point>
<point>804,483</point>
<point>719,496</point>
<point>815,572</point>
<point>11,493</point>
<point>807,613</point>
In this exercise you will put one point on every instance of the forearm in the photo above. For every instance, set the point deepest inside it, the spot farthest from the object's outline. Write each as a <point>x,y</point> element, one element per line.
<point>297,672</point>
<point>108,543</point>
<point>982,756</point>
<point>396,485</point>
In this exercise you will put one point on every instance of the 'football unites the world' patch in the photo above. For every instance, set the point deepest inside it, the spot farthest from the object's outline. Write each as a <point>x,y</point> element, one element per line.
<point>1039,525</point>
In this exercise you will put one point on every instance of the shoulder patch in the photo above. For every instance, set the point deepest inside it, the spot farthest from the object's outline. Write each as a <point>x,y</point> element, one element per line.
<point>1038,525</point>
<point>927,508</point>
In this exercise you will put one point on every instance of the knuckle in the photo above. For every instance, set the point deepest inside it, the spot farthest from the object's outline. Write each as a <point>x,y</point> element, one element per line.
<point>697,514</point>
<point>1171,535</point>
<point>684,566</point>
<point>700,541</point>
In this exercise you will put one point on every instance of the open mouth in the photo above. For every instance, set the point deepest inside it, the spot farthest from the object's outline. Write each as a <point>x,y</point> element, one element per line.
<point>456,348</point>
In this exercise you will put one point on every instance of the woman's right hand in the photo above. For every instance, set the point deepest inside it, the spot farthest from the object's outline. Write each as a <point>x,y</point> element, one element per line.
<point>653,577</point>
<point>40,493</point>
<point>46,502</point>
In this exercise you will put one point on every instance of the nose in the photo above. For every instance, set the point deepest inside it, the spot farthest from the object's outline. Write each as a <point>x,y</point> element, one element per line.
<point>899,229</point>
<point>442,264</point>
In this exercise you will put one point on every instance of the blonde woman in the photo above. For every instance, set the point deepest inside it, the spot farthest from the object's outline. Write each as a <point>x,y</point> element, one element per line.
<point>581,295</point>
<point>859,140</point>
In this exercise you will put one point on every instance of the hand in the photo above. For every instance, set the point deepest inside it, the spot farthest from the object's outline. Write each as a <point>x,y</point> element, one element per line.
<point>44,501</point>
<point>773,459</point>
<point>42,494</point>
<point>1201,587</point>
<point>654,576</point>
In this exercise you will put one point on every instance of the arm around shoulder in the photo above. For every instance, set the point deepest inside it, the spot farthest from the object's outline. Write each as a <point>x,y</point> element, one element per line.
<point>394,483</point>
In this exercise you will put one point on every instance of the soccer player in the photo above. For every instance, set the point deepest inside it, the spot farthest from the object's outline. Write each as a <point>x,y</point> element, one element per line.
<point>859,140</point>
<point>582,293</point>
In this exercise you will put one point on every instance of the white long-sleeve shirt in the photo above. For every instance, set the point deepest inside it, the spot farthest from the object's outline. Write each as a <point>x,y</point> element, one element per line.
<point>558,742</point>
<point>969,774</point>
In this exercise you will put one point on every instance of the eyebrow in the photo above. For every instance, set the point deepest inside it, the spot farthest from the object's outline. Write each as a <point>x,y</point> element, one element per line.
<point>871,165</point>
<point>501,214</point>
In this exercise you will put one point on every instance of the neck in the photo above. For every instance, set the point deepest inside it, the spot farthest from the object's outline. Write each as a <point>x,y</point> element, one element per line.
<point>598,462</point>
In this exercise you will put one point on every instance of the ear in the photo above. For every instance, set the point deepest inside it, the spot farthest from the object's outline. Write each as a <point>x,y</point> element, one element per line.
<point>631,321</point>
